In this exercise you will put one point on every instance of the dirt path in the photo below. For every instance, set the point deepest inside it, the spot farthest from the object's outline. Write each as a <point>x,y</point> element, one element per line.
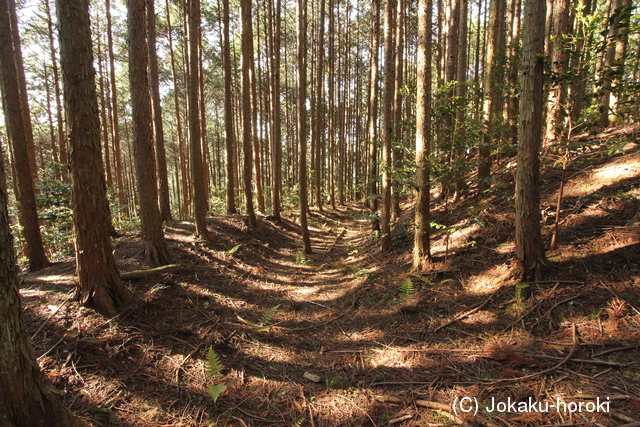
<point>335,338</point>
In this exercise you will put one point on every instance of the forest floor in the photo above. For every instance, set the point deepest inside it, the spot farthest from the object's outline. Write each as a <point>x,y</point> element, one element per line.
<point>348,337</point>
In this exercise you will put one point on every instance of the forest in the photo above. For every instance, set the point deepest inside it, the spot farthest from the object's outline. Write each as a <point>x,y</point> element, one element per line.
<point>319,213</point>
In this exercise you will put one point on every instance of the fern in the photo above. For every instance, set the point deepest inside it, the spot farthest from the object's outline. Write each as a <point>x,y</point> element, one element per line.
<point>301,259</point>
<point>298,423</point>
<point>212,368</point>
<point>213,365</point>
<point>406,290</point>
<point>266,317</point>
<point>234,249</point>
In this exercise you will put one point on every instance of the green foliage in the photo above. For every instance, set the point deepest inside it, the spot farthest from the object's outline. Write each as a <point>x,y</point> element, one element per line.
<point>213,365</point>
<point>406,290</point>
<point>298,423</point>
<point>301,258</point>
<point>213,369</point>
<point>234,249</point>
<point>266,317</point>
<point>332,380</point>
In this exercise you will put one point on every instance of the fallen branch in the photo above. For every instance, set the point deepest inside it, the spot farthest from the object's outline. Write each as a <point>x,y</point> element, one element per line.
<point>342,233</point>
<point>574,348</point>
<point>127,275</point>
<point>138,274</point>
<point>51,315</point>
<point>463,315</point>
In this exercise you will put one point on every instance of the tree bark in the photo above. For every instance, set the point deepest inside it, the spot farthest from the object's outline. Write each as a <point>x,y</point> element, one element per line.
<point>156,248</point>
<point>114,111</point>
<point>17,130</point>
<point>197,181</point>
<point>530,255</point>
<point>389,91</point>
<point>559,57</point>
<point>493,98</point>
<point>372,107</point>
<point>302,122</point>
<point>99,283</point>
<point>320,112</point>
<point>158,131</point>
<point>421,246</point>
<point>228,112</point>
<point>247,59</point>
<point>28,398</point>
<point>26,111</point>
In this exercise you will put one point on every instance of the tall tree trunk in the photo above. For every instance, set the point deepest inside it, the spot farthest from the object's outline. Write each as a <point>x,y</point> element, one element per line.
<point>62,143</point>
<point>17,130</point>
<point>176,102</point>
<point>28,398</point>
<point>247,137</point>
<point>559,57</point>
<point>514,98</point>
<point>156,248</point>
<point>26,111</point>
<point>104,124</point>
<point>228,112</point>
<point>193,83</point>
<point>331,101</point>
<point>398,152</point>
<point>320,112</point>
<point>99,281</point>
<point>578,87</point>
<point>620,56</point>
<point>302,122</point>
<point>387,136</point>
<point>616,24</point>
<point>372,107</point>
<point>421,246</point>
<point>158,131</point>
<point>530,254</point>
<point>114,111</point>
<point>493,97</point>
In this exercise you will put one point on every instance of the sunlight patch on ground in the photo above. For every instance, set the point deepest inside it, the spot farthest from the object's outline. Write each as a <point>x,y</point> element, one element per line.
<point>456,240</point>
<point>487,282</point>
<point>628,167</point>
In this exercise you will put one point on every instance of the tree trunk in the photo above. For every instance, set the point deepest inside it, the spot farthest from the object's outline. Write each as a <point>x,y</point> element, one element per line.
<point>114,111</point>
<point>387,136</point>
<point>28,398</point>
<point>372,107</point>
<point>228,112</point>
<point>26,111</point>
<point>398,152</point>
<point>302,122</point>
<point>158,131</point>
<point>195,135</point>
<point>493,98</point>
<point>156,249</point>
<point>176,102</point>
<point>16,128</point>
<point>532,261</point>
<point>247,137</point>
<point>320,112</point>
<point>421,246</point>
<point>559,57</point>
<point>99,281</point>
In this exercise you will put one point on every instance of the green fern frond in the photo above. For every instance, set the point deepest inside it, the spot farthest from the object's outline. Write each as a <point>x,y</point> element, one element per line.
<point>406,290</point>
<point>215,390</point>
<point>266,317</point>
<point>234,249</point>
<point>298,423</point>
<point>213,365</point>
